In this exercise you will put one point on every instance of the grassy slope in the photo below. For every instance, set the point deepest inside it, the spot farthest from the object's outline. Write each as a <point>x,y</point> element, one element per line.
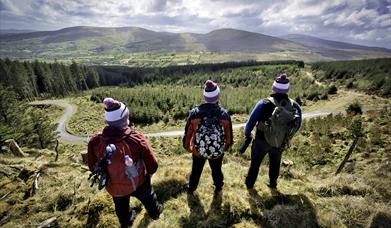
<point>309,193</point>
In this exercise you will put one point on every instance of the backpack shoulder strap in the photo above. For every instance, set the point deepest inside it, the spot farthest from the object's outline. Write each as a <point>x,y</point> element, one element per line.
<point>272,100</point>
<point>292,101</point>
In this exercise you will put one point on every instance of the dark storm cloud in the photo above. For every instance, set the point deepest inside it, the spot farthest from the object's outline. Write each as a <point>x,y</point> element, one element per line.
<point>365,22</point>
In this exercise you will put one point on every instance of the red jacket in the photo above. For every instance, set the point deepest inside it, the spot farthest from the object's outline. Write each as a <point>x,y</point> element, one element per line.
<point>128,142</point>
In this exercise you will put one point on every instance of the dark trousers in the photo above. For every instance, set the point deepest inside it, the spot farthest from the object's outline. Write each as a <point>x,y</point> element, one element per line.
<point>259,150</point>
<point>198,166</point>
<point>146,195</point>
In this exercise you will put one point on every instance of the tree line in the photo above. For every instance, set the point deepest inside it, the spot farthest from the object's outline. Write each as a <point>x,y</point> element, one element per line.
<point>35,79</point>
<point>40,79</point>
<point>133,76</point>
<point>171,98</point>
<point>372,76</point>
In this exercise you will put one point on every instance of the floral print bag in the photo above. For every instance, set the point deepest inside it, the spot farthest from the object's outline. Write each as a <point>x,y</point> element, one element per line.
<point>209,137</point>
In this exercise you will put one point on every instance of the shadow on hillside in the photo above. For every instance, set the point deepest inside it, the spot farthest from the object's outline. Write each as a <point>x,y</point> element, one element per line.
<point>165,191</point>
<point>218,215</point>
<point>169,189</point>
<point>281,210</point>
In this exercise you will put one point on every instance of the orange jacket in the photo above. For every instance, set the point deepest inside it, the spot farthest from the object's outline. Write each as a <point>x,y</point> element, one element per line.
<point>194,120</point>
<point>127,142</point>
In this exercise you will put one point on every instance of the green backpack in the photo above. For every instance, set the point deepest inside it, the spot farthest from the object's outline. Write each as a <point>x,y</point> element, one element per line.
<point>278,129</point>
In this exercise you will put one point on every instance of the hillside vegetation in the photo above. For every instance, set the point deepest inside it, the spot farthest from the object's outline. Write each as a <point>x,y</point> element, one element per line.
<point>371,76</point>
<point>309,194</point>
<point>168,99</point>
<point>48,182</point>
<point>40,79</point>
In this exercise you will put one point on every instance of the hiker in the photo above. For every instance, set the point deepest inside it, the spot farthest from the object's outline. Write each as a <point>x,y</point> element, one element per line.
<point>208,133</point>
<point>129,162</point>
<point>278,118</point>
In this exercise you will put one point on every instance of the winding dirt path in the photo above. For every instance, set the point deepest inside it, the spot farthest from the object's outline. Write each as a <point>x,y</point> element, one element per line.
<point>70,110</point>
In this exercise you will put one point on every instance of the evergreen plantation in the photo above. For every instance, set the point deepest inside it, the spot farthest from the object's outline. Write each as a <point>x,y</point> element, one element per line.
<point>40,79</point>
<point>371,76</point>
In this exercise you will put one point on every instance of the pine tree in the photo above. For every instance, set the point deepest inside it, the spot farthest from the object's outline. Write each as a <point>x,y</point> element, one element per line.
<point>79,76</point>
<point>32,78</point>
<point>92,78</point>
<point>70,83</point>
<point>21,80</point>
<point>59,87</point>
<point>8,104</point>
<point>10,114</point>
<point>5,72</point>
<point>39,129</point>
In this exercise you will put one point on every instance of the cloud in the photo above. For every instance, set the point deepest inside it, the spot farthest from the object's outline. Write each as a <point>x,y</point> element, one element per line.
<point>362,21</point>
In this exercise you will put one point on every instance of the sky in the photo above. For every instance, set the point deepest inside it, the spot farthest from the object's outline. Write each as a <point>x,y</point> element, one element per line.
<point>366,22</point>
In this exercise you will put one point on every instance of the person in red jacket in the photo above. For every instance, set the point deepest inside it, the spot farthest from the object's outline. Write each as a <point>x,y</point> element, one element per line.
<point>128,160</point>
<point>208,134</point>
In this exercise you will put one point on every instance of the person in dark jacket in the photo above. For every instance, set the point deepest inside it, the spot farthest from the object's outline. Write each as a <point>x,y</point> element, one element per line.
<point>193,144</point>
<point>124,143</point>
<point>261,113</point>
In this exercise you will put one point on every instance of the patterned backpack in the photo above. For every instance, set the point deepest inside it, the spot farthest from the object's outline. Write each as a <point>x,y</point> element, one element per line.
<point>209,137</point>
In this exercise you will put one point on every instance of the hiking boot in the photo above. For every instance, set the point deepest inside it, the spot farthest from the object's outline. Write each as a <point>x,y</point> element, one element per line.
<point>159,211</point>
<point>218,190</point>
<point>272,185</point>
<point>189,190</point>
<point>249,187</point>
<point>132,217</point>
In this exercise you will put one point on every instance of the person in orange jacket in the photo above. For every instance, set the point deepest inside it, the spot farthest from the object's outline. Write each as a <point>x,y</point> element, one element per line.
<point>208,133</point>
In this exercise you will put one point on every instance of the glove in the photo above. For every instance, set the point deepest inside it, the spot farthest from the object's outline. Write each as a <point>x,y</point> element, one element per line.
<point>245,144</point>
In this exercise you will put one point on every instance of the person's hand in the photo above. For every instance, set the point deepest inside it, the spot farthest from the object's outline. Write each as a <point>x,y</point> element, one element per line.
<point>245,144</point>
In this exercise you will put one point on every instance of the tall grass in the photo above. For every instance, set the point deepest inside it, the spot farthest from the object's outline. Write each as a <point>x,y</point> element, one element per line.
<point>309,194</point>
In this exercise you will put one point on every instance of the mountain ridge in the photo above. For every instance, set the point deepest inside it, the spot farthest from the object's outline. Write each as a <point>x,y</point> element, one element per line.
<point>314,41</point>
<point>87,41</point>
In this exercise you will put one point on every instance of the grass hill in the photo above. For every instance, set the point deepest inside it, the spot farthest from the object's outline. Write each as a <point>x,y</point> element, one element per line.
<point>309,194</point>
<point>126,43</point>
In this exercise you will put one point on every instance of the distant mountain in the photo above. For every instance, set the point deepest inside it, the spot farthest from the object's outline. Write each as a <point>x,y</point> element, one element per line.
<point>14,31</point>
<point>314,42</point>
<point>92,42</point>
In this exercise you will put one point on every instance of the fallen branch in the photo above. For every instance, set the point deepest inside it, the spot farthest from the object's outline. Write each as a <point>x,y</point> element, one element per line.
<point>35,182</point>
<point>14,147</point>
<point>5,195</point>
<point>17,166</point>
<point>5,173</point>
<point>51,222</point>
<point>56,149</point>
